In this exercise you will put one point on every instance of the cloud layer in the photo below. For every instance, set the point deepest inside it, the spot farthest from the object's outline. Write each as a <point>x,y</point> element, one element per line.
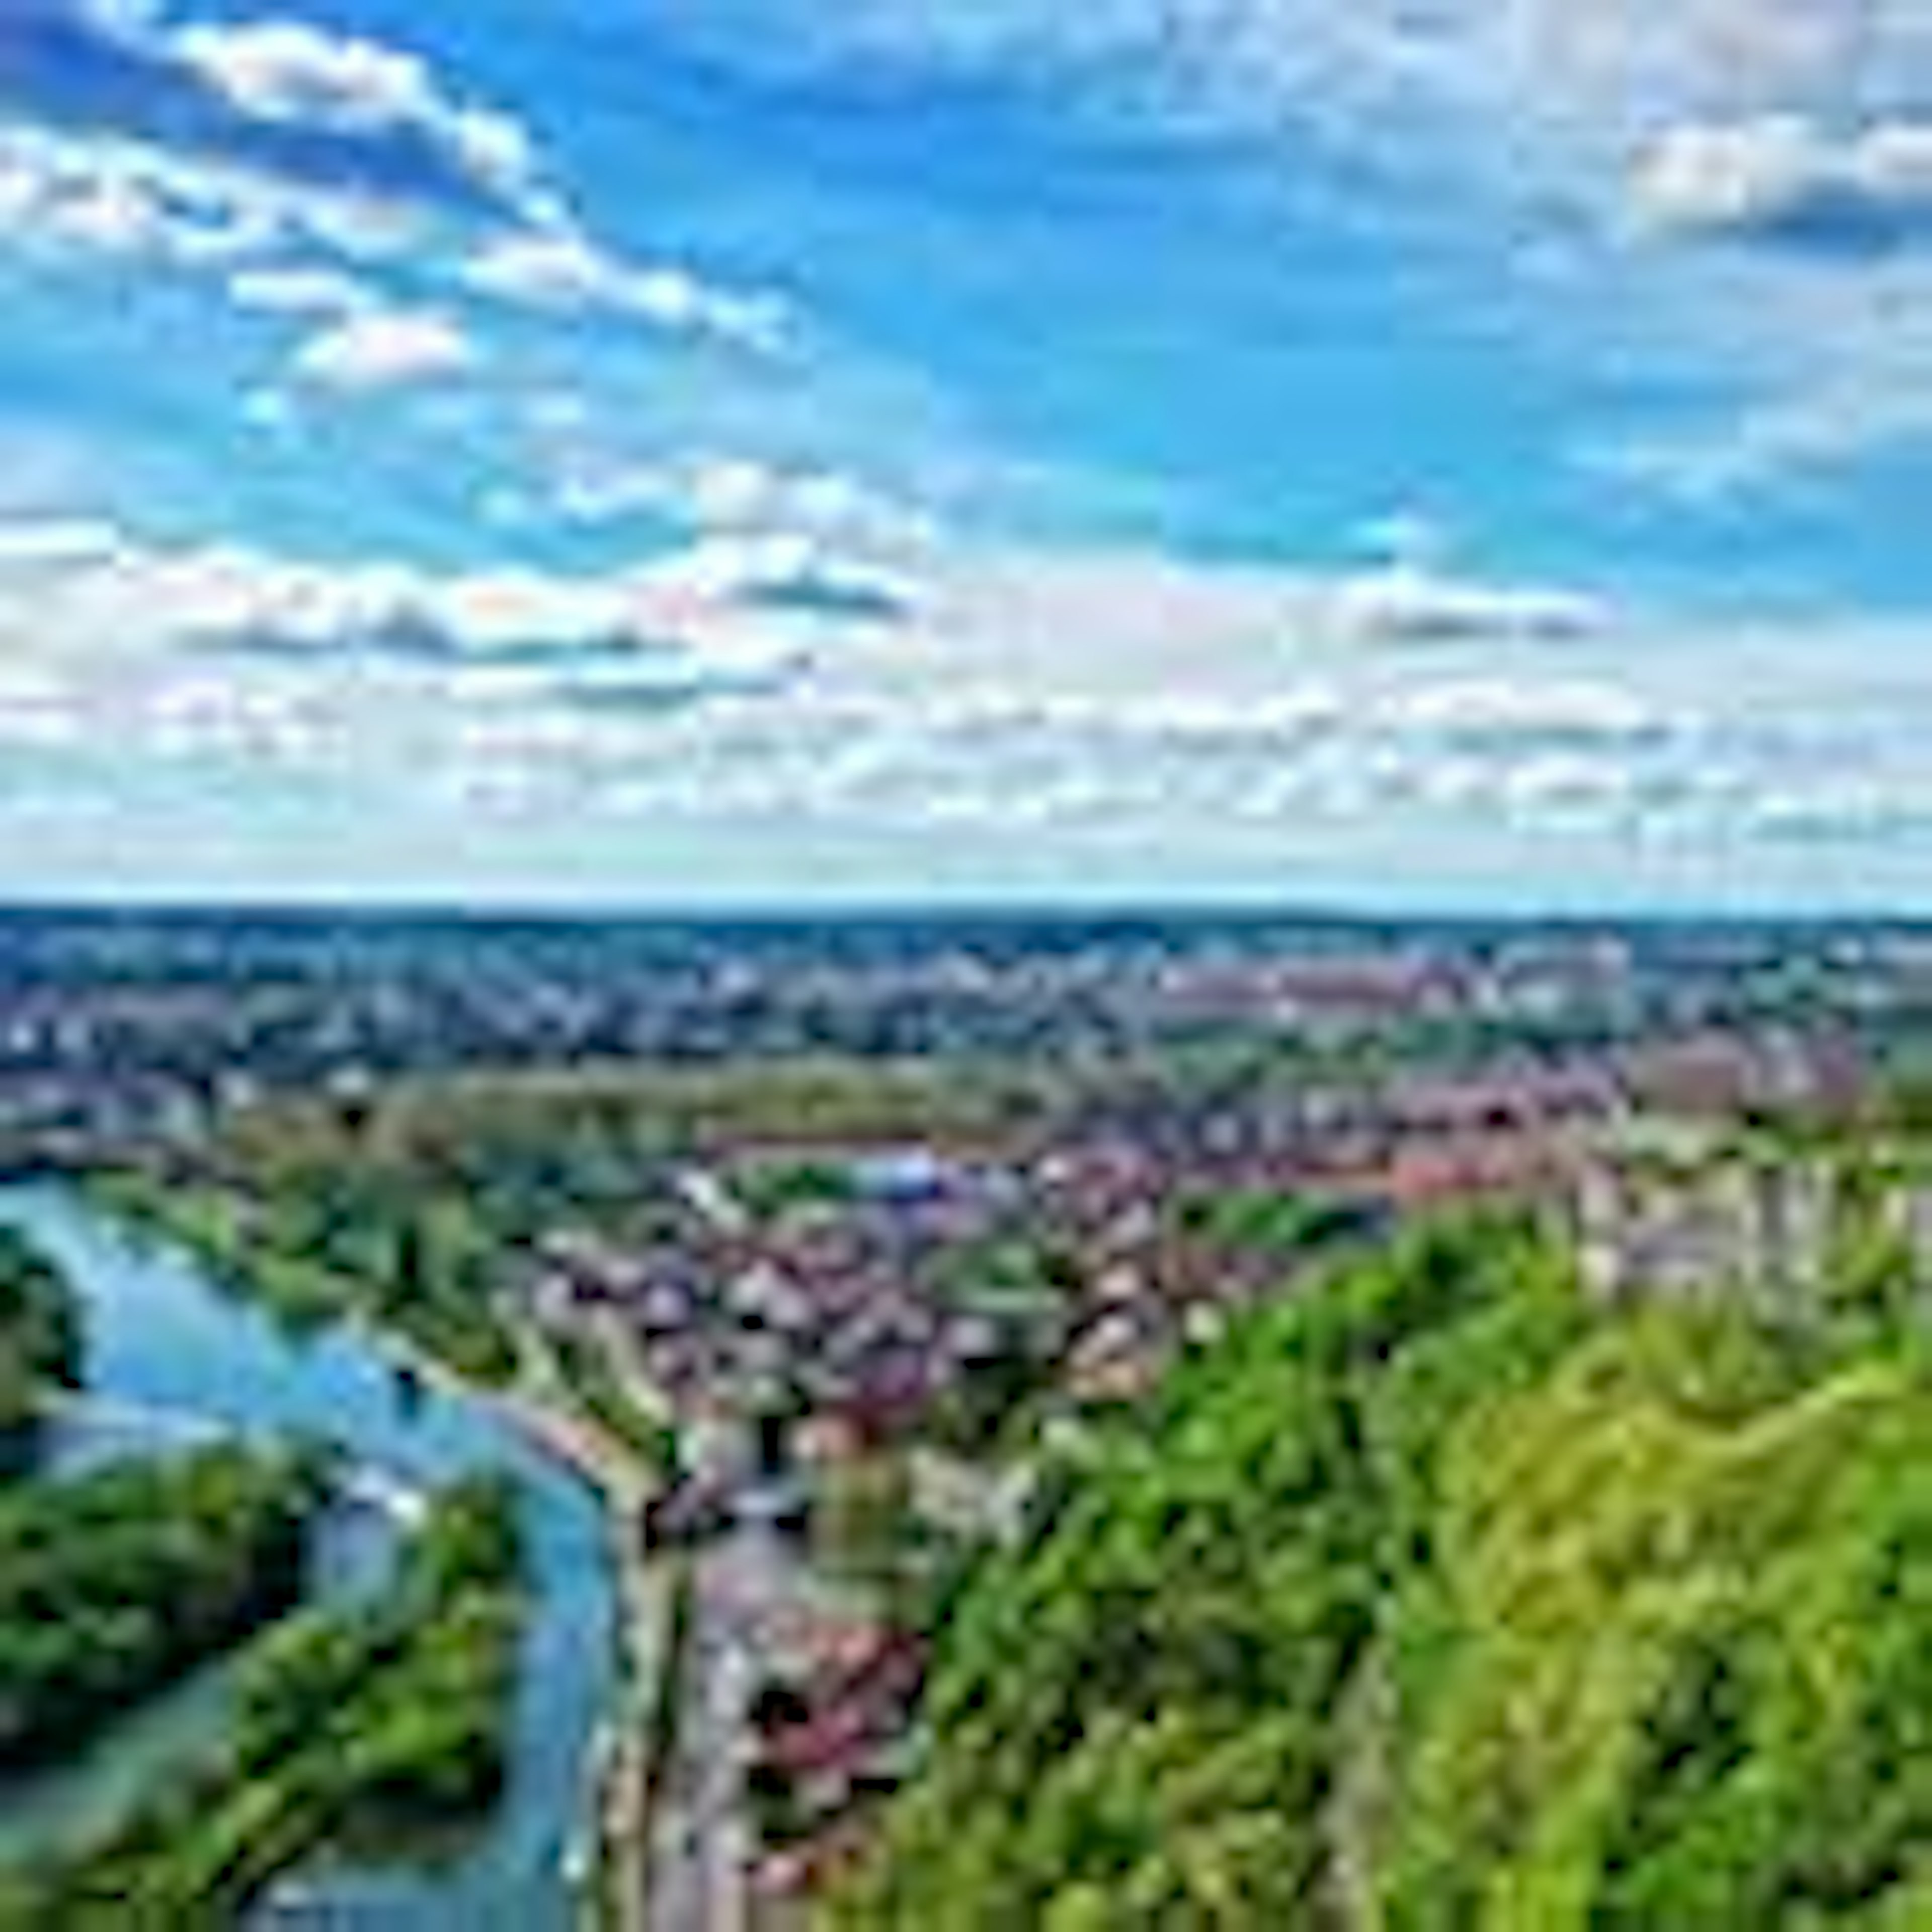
<point>1243,718</point>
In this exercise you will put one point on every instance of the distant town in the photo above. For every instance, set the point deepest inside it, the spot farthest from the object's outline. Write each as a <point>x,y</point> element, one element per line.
<point>133,1023</point>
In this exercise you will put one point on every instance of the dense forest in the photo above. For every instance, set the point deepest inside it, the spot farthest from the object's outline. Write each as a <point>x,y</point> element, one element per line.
<point>113,1583</point>
<point>1444,1597</point>
<point>351,1724</point>
<point>40,1342</point>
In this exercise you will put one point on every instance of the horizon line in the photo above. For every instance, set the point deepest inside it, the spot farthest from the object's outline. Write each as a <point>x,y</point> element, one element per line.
<point>378,907</point>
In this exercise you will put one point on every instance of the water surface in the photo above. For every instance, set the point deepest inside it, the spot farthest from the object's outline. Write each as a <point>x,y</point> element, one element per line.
<point>167,1341</point>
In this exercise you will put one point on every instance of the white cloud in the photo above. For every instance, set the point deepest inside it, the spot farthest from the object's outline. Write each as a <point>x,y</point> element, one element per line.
<point>274,237</point>
<point>1548,709</point>
<point>558,268</point>
<point>99,592</point>
<point>300,290</point>
<point>1410,604</point>
<point>584,474</point>
<point>197,714</point>
<point>47,198</point>
<point>293,72</point>
<point>57,545</point>
<point>375,350</point>
<point>1126,609</point>
<point>778,569</point>
<point>1789,180</point>
<point>38,709</point>
<point>320,262</point>
<point>101,196</point>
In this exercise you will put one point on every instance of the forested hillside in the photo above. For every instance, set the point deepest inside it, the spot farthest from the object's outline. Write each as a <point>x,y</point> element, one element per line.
<point>1444,1598</point>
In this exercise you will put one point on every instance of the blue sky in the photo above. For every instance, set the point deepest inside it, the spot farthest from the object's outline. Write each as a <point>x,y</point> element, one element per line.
<point>677,452</point>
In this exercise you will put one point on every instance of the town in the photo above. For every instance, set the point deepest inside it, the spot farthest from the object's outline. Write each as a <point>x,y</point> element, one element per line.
<point>823,1256</point>
<point>115,1023</point>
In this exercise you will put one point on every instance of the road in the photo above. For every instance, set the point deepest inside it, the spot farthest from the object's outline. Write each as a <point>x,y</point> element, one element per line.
<point>703,1848</point>
<point>701,1860</point>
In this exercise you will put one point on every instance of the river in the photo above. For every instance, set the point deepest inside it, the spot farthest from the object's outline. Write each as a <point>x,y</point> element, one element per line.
<point>165,1338</point>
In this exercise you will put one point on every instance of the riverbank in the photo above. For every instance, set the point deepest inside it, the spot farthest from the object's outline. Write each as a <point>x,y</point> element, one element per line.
<point>608,1867</point>
<point>611,1877</point>
<point>544,1406</point>
<point>172,1335</point>
<point>541,1403</point>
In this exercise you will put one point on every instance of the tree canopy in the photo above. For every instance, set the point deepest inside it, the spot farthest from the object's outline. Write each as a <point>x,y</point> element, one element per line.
<point>1440,1597</point>
<point>41,1340</point>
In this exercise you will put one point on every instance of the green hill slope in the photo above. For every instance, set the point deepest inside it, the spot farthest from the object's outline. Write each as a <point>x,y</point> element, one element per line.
<point>1440,1599</point>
